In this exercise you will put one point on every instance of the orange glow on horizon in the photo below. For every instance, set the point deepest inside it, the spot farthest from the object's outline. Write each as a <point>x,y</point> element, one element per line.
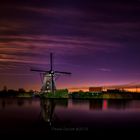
<point>86,89</point>
<point>132,89</point>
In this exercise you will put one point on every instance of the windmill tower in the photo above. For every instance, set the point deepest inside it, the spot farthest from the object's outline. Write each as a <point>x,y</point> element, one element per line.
<point>49,77</point>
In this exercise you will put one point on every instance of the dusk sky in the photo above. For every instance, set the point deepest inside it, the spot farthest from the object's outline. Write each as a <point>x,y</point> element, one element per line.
<point>98,41</point>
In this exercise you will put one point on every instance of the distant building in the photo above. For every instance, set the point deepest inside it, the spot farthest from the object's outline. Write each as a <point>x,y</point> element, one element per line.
<point>96,89</point>
<point>113,90</point>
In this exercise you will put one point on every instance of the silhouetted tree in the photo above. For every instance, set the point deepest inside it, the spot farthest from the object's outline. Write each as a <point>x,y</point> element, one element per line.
<point>31,91</point>
<point>4,89</point>
<point>21,90</point>
<point>11,92</point>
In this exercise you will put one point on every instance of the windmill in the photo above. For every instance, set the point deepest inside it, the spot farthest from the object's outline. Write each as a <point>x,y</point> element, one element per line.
<point>49,77</point>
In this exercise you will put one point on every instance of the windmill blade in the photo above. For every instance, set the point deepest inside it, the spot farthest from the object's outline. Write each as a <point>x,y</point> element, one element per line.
<point>39,70</point>
<point>41,78</point>
<point>61,72</point>
<point>51,61</point>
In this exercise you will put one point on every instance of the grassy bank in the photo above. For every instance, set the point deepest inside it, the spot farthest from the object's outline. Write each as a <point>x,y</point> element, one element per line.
<point>63,94</point>
<point>25,95</point>
<point>88,95</point>
<point>57,94</point>
<point>104,95</point>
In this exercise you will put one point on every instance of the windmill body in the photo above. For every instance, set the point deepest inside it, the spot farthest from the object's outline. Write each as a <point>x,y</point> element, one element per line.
<point>47,85</point>
<point>49,77</point>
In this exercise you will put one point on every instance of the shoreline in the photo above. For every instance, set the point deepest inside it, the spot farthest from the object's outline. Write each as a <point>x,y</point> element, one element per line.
<point>78,96</point>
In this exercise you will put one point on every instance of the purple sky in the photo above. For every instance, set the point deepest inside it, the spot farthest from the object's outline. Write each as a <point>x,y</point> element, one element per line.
<point>98,41</point>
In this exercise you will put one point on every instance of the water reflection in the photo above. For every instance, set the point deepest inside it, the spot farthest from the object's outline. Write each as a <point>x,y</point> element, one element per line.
<point>47,110</point>
<point>48,107</point>
<point>41,115</point>
<point>96,104</point>
<point>118,104</point>
<point>53,110</point>
<point>90,114</point>
<point>110,104</point>
<point>14,102</point>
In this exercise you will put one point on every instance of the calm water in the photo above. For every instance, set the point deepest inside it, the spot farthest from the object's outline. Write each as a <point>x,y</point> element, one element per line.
<point>42,116</point>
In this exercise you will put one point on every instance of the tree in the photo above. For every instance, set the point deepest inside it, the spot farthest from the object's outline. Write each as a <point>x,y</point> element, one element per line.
<point>31,91</point>
<point>4,89</point>
<point>21,90</point>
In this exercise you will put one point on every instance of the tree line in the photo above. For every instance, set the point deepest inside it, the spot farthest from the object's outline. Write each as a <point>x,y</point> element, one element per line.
<point>12,92</point>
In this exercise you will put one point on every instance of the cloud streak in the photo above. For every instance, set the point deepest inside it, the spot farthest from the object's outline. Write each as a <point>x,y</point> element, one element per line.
<point>104,70</point>
<point>31,49</point>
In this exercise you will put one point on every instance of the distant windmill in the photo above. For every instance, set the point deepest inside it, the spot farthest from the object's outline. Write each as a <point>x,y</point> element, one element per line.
<point>49,77</point>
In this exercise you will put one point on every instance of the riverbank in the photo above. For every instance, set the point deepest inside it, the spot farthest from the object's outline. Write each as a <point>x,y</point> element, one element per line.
<point>89,95</point>
<point>78,95</point>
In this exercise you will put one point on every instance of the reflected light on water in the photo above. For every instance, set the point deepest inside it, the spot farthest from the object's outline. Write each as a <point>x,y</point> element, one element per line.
<point>35,115</point>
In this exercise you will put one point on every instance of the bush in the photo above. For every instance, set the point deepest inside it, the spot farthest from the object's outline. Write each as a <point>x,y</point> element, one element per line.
<point>58,94</point>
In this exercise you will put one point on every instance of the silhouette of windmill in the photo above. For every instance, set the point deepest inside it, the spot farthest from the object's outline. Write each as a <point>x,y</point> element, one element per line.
<point>49,77</point>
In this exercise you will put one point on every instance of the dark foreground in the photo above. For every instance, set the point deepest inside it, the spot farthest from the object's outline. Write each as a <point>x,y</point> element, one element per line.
<point>40,117</point>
